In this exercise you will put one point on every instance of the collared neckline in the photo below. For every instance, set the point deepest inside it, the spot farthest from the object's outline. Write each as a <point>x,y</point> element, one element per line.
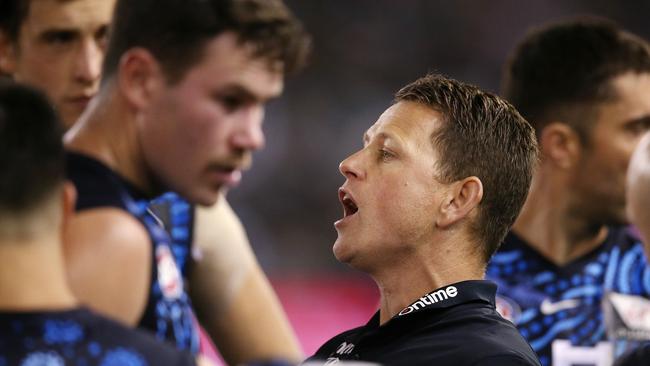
<point>444,297</point>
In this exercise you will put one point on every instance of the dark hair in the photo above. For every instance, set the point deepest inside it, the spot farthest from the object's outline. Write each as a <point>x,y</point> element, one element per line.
<point>12,15</point>
<point>481,135</point>
<point>31,148</point>
<point>560,71</point>
<point>175,31</point>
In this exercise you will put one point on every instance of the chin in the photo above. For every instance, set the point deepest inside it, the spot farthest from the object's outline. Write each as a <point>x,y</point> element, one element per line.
<point>341,252</point>
<point>202,198</point>
<point>208,200</point>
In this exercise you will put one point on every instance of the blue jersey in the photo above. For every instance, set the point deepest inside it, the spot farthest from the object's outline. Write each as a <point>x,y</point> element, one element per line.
<point>168,313</point>
<point>559,309</point>
<point>79,338</point>
<point>177,216</point>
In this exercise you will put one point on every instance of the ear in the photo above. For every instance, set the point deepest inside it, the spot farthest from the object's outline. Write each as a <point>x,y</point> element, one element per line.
<point>139,75</point>
<point>464,196</point>
<point>560,145</point>
<point>7,54</point>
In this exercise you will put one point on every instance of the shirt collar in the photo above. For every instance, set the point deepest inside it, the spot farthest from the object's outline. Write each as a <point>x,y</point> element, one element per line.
<point>445,297</point>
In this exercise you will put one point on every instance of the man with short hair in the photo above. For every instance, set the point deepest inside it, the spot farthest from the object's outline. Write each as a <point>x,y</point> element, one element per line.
<point>441,177</point>
<point>167,123</point>
<point>42,42</point>
<point>41,322</point>
<point>56,46</point>
<point>584,86</point>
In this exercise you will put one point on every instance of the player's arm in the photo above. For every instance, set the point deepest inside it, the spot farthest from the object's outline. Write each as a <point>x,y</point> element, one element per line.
<point>108,261</point>
<point>232,296</point>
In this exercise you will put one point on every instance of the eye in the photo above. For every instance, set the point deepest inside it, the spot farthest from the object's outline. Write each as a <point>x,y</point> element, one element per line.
<point>101,37</point>
<point>639,126</point>
<point>231,102</point>
<point>59,38</point>
<point>385,155</point>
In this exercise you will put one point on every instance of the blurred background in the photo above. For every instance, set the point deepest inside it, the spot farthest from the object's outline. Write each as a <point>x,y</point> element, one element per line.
<point>364,51</point>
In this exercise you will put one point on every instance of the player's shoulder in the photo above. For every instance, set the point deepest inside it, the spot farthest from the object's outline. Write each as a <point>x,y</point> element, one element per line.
<point>119,338</point>
<point>108,226</point>
<point>79,336</point>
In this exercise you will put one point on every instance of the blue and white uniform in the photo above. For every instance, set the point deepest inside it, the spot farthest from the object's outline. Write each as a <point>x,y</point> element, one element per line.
<point>168,312</point>
<point>559,309</point>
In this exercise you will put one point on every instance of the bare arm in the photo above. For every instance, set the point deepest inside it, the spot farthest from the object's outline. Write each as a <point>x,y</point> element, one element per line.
<point>232,296</point>
<point>108,260</point>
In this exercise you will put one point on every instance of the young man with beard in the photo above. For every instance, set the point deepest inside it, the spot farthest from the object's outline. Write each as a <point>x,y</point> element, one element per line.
<point>183,124</point>
<point>440,178</point>
<point>584,86</point>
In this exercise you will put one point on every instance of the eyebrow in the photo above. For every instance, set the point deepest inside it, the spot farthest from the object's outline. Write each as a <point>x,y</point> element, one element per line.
<point>642,119</point>
<point>246,93</point>
<point>52,31</point>
<point>383,135</point>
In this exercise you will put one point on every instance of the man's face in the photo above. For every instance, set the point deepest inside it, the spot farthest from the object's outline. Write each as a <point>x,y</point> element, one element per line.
<point>599,179</point>
<point>60,49</point>
<point>391,194</point>
<point>198,135</point>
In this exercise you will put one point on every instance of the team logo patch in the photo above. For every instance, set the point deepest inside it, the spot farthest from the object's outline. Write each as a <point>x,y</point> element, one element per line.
<point>169,277</point>
<point>508,308</point>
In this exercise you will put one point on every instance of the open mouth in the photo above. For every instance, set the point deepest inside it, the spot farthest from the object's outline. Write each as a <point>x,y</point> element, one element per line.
<point>349,206</point>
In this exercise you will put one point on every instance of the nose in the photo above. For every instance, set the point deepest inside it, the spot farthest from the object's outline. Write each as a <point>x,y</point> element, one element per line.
<point>352,167</point>
<point>248,134</point>
<point>88,62</point>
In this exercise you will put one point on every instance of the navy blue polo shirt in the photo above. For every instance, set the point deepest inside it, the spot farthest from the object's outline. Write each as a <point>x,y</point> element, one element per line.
<point>453,325</point>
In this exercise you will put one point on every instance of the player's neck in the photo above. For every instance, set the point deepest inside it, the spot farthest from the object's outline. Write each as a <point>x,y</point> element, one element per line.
<point>410,278</point>
<point>108,133</point>
<point>32,276</point>
<point>547,224</point>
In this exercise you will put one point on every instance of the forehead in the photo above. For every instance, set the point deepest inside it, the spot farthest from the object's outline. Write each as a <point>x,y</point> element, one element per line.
<point>227,62</point>
<point>67,14</point>
<point>409,121</point>
<point>632,98</point>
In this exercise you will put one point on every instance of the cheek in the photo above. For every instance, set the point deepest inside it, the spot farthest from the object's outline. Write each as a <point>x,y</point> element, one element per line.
<point>619,149</point>
<point>47,75</point>
<point>202,125</point>
<point>404,203</point>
